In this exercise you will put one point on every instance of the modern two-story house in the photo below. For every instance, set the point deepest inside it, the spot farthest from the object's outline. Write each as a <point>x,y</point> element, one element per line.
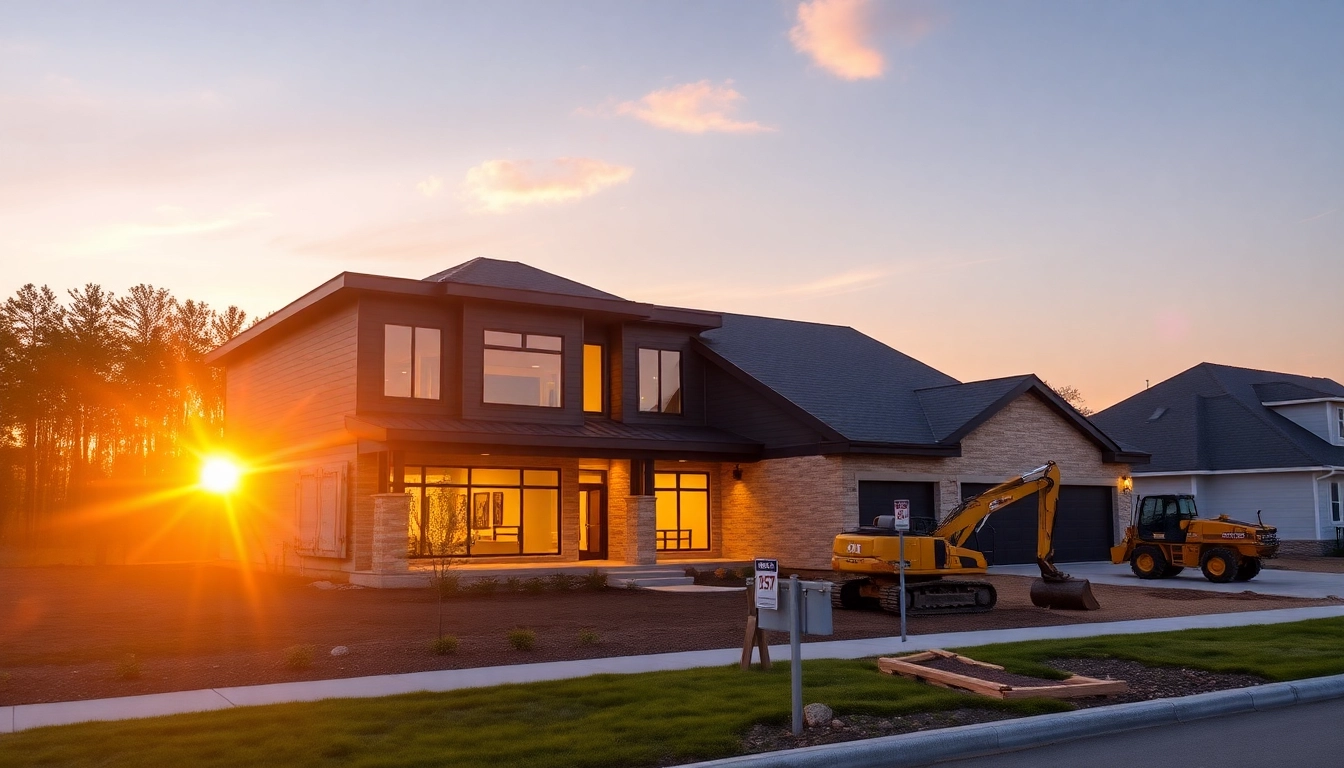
<point>1244,442</point>
<point>494,412</point>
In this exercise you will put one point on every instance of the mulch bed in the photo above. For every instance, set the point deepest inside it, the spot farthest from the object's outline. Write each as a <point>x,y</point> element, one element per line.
<point>64,630</point>
<point>1145,683</point>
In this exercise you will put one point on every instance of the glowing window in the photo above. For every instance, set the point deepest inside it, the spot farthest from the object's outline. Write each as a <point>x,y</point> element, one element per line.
<point>681,512</point>
<point>522,369</point>
<point>592,378</point>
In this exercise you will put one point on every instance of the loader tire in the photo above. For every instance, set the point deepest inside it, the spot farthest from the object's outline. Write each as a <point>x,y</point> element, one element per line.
<point>1249,569</point>
<point>1219,565</point>
<point>1148,563</point>
<point>1173,571</point>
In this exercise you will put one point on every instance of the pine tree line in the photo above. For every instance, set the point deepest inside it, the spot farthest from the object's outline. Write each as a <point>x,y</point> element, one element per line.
<point>102,391</point>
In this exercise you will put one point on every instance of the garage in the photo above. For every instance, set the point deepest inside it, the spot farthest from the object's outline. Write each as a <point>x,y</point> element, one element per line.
<point>876,496</point>
<point>1083,528</point>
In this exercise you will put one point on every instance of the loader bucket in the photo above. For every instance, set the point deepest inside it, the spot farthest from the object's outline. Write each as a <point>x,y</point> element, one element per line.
<point>1069,595</point>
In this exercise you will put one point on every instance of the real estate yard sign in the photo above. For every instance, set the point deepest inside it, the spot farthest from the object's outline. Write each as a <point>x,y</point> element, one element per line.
<point>901,509</point>
<point>767,584</point>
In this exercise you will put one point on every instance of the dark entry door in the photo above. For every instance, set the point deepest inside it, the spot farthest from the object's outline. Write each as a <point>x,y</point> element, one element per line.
<point>1083,528</point>
<point>592,522</point>
<point>875,497</point>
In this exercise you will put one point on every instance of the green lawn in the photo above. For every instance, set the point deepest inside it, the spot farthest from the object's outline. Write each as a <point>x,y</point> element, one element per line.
<point>619,720</point>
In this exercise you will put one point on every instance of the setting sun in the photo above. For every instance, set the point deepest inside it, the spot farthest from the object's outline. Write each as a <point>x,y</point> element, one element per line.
<point>220,475</point>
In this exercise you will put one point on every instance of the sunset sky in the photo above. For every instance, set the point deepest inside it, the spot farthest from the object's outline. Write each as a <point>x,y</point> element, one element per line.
<point>1101,194</point>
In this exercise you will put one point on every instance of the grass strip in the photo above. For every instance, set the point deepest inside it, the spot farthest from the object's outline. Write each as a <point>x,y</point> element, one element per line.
<point>657,718</point>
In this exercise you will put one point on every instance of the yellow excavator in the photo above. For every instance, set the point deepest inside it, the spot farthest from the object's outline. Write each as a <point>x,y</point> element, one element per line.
<point>871,554</point>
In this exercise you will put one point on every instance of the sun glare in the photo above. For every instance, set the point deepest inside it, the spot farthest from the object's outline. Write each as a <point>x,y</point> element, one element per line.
<point>220,475</point>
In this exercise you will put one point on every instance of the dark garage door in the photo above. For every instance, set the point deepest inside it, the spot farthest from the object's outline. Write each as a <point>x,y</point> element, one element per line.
<point>1082,527</point>
<point>875,497</point>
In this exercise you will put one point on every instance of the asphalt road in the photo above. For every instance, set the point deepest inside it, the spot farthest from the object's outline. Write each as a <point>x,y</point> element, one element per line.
<point>1305,736</point>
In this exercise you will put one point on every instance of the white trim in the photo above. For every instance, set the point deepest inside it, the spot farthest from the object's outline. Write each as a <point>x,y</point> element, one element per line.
<point>1304,402</point>
<point>1237,471</point>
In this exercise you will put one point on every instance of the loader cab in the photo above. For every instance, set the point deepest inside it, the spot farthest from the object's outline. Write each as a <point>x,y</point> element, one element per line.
<point>1160,517</point>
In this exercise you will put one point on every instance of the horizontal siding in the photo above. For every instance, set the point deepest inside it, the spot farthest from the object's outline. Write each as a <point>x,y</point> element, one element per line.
<point>1157,486</point>
<point>1286,499</point>
<point>1313,417</point>
<point>633,338</point>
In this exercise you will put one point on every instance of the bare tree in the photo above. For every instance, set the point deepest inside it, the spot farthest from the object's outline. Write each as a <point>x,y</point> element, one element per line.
<point>1072,396</point>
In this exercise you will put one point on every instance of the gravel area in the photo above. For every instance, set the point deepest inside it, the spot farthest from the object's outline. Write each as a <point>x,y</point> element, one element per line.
<point>1145,683</point>
<point>65,632</point>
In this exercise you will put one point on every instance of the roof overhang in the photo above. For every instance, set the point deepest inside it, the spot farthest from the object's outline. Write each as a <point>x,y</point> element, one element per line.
<point>1307,401</point>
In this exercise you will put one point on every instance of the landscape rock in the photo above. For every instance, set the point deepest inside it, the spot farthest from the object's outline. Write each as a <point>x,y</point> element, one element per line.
<point>837,724</point>
<point>339,650</point>
<point>817,714</point>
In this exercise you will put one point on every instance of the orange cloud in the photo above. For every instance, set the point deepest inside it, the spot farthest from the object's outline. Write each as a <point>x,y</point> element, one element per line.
<point>841,35</point>
<point>498,185</point>
<point>692,108</point>
<point>837,34</point>
<point>430,186</point>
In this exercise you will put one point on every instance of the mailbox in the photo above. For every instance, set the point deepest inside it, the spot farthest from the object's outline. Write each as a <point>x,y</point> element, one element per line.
<point>816,605</point>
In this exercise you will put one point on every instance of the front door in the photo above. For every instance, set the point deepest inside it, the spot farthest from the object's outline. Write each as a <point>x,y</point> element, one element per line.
<point>592,522</point>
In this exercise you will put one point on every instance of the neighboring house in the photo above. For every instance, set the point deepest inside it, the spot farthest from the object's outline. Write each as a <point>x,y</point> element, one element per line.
<point>497,412</point>
<point>1244,441</point>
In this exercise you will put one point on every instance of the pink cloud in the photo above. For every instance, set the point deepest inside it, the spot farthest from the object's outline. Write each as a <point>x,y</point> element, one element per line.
<point>841,36</point>
<point>498,185</point>
<point>701,107</point>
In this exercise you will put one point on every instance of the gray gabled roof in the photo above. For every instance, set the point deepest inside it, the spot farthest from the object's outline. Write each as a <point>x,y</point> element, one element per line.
<point>516,275</point>
<point>857,389</point>
<point>1211,418</point>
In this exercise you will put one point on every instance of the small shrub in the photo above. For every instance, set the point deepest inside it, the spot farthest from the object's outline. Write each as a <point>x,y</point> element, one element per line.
<point>560,582</point>
<point>744,573</point>
<point>522,639</point>
<point>484,586</point>
<point>594,581</point>
<point>630,584</point>
<point>691,572</point>
<point>299,656</point>
<point>535,585</point>
<point>513,584</point>
<point>449,584</point>
<point>443,646</point>
<point>588,637</point>
<point>720,573</point>
<point>129,667</point>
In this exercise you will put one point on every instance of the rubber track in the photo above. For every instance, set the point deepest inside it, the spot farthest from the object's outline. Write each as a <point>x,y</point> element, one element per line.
<point>891,599</point>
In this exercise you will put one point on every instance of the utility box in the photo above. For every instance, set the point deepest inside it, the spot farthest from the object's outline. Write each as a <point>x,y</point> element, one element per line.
<point>816,605</point>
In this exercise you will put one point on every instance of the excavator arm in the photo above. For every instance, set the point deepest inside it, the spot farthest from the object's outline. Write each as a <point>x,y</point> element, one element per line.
<point>970,515</point>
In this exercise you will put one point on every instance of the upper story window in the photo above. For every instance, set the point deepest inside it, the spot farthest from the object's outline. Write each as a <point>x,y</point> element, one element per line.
<point>522,369</point>
<point>659,381</point>
<point>592,378</point>
<point>411,365</point>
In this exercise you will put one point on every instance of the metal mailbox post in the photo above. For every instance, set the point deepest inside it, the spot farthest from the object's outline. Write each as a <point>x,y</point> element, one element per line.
<point>805,608</point>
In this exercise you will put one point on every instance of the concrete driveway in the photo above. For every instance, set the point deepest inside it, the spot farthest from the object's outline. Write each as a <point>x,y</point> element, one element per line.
<point>1267,582</point>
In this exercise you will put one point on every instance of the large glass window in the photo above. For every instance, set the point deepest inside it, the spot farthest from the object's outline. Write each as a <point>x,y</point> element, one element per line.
<point>464,512</point>
<point>682,511</point>
<point>659,381</point>
<point>592,378</point>
<point>411,362</point>
<point>522,369</point>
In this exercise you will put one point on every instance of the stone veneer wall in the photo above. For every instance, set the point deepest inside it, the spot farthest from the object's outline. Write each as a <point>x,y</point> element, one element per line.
<point>792,508</point>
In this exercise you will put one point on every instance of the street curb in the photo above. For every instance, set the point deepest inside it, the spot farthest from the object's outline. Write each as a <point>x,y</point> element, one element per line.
<point>911,750</point>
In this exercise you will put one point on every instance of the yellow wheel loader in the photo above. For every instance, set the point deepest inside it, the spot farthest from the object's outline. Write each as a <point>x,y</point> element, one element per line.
<point>1170,536</point>
<point>871,553</point>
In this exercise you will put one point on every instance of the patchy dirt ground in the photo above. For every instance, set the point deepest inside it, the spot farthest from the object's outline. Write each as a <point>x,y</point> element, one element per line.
<point>1145,683</point>
<point>64,630</point>
<point>1315,564</point>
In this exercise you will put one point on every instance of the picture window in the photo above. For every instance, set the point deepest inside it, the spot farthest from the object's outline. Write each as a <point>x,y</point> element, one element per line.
<point>522,369</point>
<point>411,362</point>
<point>659,381</point>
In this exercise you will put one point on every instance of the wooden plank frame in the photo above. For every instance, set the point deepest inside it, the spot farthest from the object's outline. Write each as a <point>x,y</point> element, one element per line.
<point>1074,687</point>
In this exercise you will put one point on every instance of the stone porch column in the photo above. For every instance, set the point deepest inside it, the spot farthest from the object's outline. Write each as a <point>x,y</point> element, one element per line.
<point>391,515</point>
<point>640,536</point>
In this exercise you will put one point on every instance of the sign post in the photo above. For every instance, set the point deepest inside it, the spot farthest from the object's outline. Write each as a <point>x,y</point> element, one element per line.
<point>901,509</point>
<point>804,609</point>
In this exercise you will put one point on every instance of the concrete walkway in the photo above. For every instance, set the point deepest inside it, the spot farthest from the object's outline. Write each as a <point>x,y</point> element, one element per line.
<point>1269,582</point>
<point>25,716</point>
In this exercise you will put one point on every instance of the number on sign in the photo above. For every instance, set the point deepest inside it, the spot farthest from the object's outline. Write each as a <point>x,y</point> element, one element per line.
<point>765,582</point>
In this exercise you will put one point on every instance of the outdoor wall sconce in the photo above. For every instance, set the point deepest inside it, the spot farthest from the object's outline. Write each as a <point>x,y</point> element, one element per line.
<point>1126,483</point>
<point>737,471</point>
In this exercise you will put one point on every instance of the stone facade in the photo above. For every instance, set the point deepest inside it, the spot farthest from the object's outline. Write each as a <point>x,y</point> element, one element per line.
<point>640,513</point>
<point>792,508</point>
<point>390,514</point>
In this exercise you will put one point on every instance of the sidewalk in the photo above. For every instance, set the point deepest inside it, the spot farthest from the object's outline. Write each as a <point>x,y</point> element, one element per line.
<point>1306,584</point>
<point>24,716</point>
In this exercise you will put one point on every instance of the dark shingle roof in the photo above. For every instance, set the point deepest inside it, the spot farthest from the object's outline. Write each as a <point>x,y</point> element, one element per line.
<point>516,275</point>
<point>1211,418</point>
<point>1281,391</point>
<point>854,384</point>
<point>948,408</point>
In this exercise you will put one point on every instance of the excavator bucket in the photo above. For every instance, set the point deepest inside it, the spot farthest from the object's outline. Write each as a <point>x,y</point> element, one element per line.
<point>1069,594</point>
